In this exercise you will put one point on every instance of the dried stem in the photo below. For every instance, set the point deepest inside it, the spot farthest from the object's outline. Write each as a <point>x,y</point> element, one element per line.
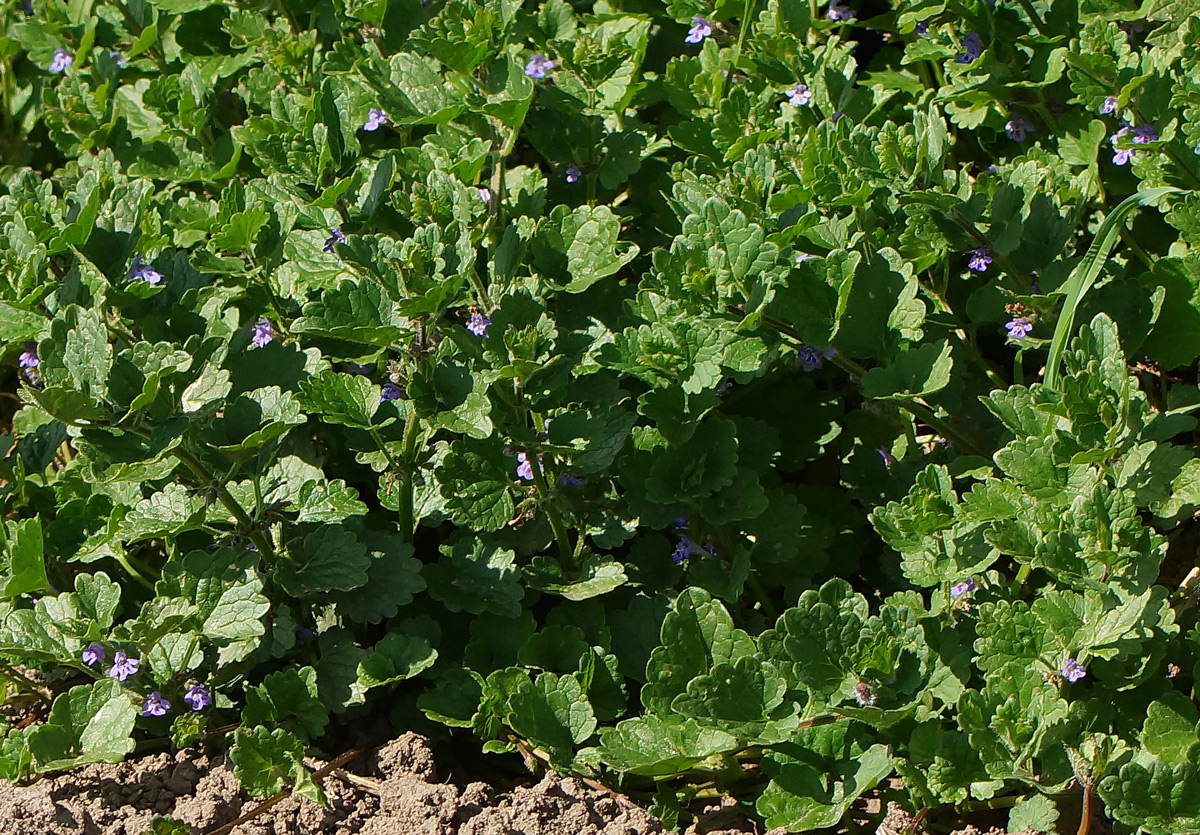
<point>332,765</point>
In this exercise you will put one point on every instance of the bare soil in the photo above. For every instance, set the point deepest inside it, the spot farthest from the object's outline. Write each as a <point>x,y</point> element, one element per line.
<point>395,791</point>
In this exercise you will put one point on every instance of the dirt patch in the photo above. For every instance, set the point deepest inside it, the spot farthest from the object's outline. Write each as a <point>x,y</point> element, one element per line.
<point>399,793</point>
<point>396,791</point>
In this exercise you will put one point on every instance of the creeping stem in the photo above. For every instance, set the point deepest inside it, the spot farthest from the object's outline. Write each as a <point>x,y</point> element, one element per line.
<point>560,532</point>
<point>206,476</point>
<point>918,410</point>
<point>411,432</point>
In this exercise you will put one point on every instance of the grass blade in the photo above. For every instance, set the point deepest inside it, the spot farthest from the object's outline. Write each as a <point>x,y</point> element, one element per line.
<point>1088,270</point>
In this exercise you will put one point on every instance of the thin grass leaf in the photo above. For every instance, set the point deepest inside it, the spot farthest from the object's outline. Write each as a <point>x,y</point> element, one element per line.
<point>1085,274</point>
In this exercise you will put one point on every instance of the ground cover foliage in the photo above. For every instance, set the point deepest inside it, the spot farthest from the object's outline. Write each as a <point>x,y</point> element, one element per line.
<point>758,398</point>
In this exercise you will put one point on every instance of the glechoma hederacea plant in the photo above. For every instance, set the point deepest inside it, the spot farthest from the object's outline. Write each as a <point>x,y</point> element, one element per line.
<point>753,398</point>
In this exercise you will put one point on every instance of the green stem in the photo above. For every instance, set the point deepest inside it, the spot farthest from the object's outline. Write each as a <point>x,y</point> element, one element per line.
<point>1022,575</point>
<point>918,410</point>
<point>408,523</point>
<point>1133,245</point>
<point>127,563</point>
<point>565,553</point>
<point>1038,23</point>
<point>206,476</point>
<point>34,687</point>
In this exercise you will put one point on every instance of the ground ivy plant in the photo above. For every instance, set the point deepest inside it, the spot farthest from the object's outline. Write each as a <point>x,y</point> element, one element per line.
<point>758,398</point>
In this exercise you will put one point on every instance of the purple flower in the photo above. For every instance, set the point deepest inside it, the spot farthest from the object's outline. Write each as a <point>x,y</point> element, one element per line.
<point>263,333</point>
<point>684,550</point>
<point>376,118</point>
<point>123,666</point>
<point>965,587</point>
<point>1110,105</point>
<point>839,11</point>
<point>155,705</point>
<point>863,694</point>
<point>1122,155</point>
<point>356,370</point>
<point>29,357</point>
<point>801,257</point>
<point>61,61</point>
<point>537,66</point>
<point>810,358</point>
<point>1073,670</point>
<point>485,194</point>
<point>303,634</point>
<point>144,272</point>
<point>888,460</point>
<point>1017,127</point>
<point>93,655</point>
<point>391,391</point>
<point>1019,327</point>
<point>700,30</point>
<point>573,174</point>
<point>799,95</point>
<point>197,697</point>
<point>922,27</point>
<point>524,467</point>
<point>118,58</point>
<point>1144,134</point>
<point>973,44</point>
<point>478,324</point>
<point>980,260</point>
<point>336,236</point>
<point>681,523</point>
<point>572,481</point>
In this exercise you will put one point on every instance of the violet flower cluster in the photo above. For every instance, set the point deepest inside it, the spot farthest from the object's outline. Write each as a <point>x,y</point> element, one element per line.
<point>1019,327</point>
<point>810,358</point>
<point>972,48</point>
<point>980,260</point>
<point>144,272</point>
<point>700,30</point>
<point>538,66</point>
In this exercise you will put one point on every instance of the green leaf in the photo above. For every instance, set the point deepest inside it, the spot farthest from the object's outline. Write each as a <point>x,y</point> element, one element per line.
<point>813,642</point>
<point>475,576</point>
<point>90,723</point>
<point>265,761</point>
<point>918,372</point>
<point>1036,812</point>
<point>696,635</point>
<point>331,558</point>
<point>553,713</point>
<point>240,231</point>
<point>653,747</point>
<point>813,787</point>
<point>168,826</point>
<point>582,245</point>
<point>287,699</point>
<point>345,399</point>
<point>393,578</point>
<point>1170,729</point>
<point>1162,799</point>
<point>744,698</point>
<point>24,553</point>
<point>227,591</point>
<point>395,658</point>
<point>598,574</point>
